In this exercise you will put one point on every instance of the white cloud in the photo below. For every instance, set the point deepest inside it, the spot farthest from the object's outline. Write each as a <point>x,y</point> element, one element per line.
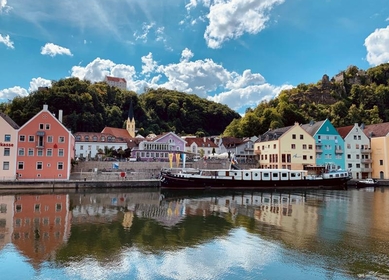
<point>53,50</point>
<point>6,41</point>
<point>205,78</point>
<point>11,93</point>
<point>231,19</point>
<point>145,31</point>
<point>377,46</point>
<point>3,6</point>
<point>38,82</point>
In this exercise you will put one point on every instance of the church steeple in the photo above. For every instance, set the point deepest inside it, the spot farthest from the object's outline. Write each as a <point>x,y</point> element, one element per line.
<point>130,123</point>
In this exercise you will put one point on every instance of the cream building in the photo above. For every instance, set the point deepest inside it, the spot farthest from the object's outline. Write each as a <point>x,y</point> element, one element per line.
<point>8,147</point>
<point>288,147</point>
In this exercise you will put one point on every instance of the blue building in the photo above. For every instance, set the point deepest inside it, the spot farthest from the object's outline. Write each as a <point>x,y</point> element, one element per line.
<point>329,144</point>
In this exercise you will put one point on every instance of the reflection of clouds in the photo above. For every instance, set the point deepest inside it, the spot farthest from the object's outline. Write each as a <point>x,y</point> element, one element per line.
<point>209,261</point>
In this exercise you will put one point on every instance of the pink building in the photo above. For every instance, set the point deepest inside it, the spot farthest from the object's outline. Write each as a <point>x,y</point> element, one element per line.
<point>45,148</point>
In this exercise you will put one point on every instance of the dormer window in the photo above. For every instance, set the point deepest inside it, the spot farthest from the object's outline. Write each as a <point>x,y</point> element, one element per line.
<point>95,138</point>
<point>78,138</point>
<point>102,138</point>
<point>86,138</point>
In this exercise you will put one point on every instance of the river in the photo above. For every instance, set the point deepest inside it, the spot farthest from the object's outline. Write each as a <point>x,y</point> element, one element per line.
<point>145,234</point>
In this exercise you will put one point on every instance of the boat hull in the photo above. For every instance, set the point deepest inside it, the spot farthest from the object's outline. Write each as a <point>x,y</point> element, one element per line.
<point>169,181</point>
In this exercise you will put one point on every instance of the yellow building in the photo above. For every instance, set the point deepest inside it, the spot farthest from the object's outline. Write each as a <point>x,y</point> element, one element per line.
<point>288,147</point>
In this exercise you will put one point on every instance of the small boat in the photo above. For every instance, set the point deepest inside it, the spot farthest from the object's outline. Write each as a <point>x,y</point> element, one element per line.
<point>230,179</point>
<point>368,182</point>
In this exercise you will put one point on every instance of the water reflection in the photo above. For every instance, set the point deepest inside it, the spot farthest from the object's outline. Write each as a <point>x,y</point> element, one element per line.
<point>330,234</point>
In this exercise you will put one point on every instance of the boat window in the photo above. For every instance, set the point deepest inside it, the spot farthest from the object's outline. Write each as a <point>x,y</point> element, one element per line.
<point>284,175</point>
<point>331,176</point>
<point>336,175</point>
<point>247,174</point>
<point>275,175</point>
<point>255,174</point>
<point>266,175</point>
<point>293,175</point>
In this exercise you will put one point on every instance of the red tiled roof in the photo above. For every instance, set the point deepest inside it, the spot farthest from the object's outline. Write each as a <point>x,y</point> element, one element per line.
<point>344,130</point>
<point>115,79</point>
<point>231,141</point>
<point>200,142</point>
<point>117,132</point>
<point>376,130</point>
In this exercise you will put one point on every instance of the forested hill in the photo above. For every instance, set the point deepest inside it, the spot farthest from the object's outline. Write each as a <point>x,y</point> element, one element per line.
<point>352,96</point>
<point>90,107</point>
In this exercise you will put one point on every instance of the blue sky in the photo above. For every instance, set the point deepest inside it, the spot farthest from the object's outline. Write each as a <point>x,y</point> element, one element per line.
<point>236,52</point>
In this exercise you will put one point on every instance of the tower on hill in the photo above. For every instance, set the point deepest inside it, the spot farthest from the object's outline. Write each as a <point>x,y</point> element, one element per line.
<point>116,82</point>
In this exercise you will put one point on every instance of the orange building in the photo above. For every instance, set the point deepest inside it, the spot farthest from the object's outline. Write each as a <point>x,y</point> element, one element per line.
<point>45,148</point>
<point>41,224</point>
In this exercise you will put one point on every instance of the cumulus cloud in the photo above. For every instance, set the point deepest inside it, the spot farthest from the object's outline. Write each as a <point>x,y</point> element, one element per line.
<point>3,6</point>
<point>37,83</point>
<point>53,50</point>
<point>231,19</point>
<point>377,46</point>
<point>205,78</point>
<point>11,93</point>
<point>6,41</point>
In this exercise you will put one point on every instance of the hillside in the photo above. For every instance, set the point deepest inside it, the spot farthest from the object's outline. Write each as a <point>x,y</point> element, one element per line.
<point>352,96</point>
<point>90,107</point>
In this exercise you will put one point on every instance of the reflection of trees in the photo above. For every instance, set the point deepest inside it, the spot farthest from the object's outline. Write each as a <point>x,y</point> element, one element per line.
<point>105,241</point>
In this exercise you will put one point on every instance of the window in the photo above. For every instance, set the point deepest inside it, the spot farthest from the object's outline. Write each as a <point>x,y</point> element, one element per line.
<point>22,138</point>
<point>37,208</point>
<point>301,136</point>
<point>357,146</point>
<point>39,152</point>
<point>40,141</point>
<point>30,152</point>
<point>7,138</point>
<point>60,152</point>
<point>18,208</point>
<point>5,165</point>
<point>348,156</point>
<point>60,166</point>
<point>7,152</point>
<point>21,152</point>
<point>94,138</point>
<point>310,147</point>
<point>348,146</point>
<point>47,126</point>
<point>381,162</point>
<point>293,136</point>
<point>49,152</point>
<point>102,138</point>
<point>58,207</point>
<point>49,139</point>
<point>358,165</point>
<point>293,146</point>
<point>61,139</point>
<point>304,146</point>
<point>78,138</point>
<point>39,165</point>
<point>20,165</point>
<point>81,147</point>
<point>86,138</point>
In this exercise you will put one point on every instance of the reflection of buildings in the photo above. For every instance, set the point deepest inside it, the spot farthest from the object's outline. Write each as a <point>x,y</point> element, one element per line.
<point>41,225</point>
<point>6,216</point>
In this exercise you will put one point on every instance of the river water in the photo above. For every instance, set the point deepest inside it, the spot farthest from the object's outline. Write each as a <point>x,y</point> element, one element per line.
<point>145,234</point>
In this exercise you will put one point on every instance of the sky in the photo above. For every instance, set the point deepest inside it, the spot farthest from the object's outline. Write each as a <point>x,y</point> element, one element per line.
<point>235,52</point>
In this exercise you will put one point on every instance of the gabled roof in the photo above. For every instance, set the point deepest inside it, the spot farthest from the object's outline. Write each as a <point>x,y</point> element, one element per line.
<point>376,130</point>
<point>161,136</point>
<point>344,130</point>
<point>8,120</point>
<point>229,142</point>
<point>312,127</point>
<point>273,134</point>
<point>117,132</point>
<point>115,79</point>
<point>98,135</point>
<point>200,142</point>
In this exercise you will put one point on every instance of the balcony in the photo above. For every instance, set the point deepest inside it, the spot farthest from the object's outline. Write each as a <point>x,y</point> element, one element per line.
<point>338,151</point>
<point>366,160</point>
<point>366,151</point>
<point>366,169</point>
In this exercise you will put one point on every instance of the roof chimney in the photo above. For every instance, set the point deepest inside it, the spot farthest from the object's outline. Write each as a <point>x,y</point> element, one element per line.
<point>45,107</point>
<point>60,115</point>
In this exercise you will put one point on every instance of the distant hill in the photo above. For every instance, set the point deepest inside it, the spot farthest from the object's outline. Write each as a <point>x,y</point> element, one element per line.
<point>352,96</point>
<point>90,107</point>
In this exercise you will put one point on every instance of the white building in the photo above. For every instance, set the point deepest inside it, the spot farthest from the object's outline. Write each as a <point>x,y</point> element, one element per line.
<point>8,147</point>
<point>357,150</point>
<point>116,82</point>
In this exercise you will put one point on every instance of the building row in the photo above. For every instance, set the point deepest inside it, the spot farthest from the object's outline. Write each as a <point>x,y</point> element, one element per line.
<point>44,149</point>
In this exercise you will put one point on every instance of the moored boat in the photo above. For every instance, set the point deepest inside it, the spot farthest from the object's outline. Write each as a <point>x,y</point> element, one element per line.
<point>368,182</point>
<point>251,179</point>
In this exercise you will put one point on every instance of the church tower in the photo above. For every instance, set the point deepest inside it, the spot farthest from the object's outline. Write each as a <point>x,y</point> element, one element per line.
<point>130,123</point>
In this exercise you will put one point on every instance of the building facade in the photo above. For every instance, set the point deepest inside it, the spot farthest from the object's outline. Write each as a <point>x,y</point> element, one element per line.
<point>45,148</point>
<point>120,83</point>
<point>289,147</point>
<point>358,151</point>
<point>200,146</point>
<point>329,144</point>
<point>8,147</point>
